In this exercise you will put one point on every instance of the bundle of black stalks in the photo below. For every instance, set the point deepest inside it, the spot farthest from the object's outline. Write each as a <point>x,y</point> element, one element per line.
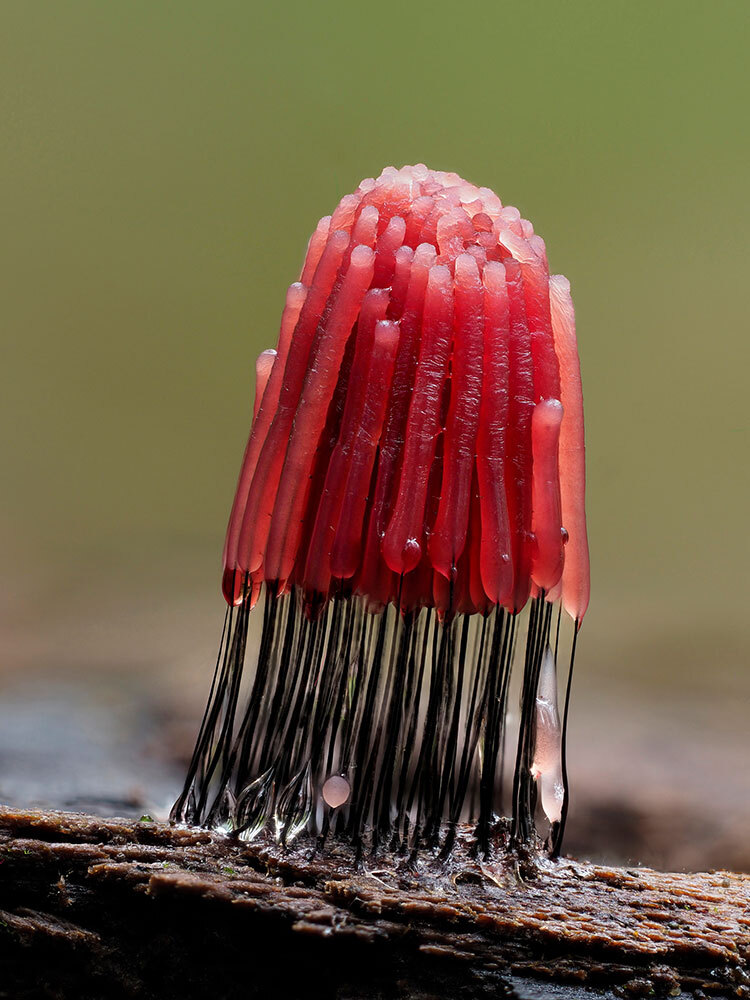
<point>387,729</point>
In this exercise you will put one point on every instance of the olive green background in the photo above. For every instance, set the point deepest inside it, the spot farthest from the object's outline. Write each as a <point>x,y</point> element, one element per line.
<point>162,167</point>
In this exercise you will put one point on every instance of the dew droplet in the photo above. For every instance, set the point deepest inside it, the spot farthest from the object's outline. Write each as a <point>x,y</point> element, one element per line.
<point>336,791</point>
<point>190,813</point>
<point>224,818</point>
<point>254,805</point>
<point>565,535</point>
<point>547,766</point>
<point>184,810</point>
<point>293,807</point>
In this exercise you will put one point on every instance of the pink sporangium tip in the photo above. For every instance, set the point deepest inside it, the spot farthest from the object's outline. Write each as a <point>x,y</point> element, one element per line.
<point>418,434</point>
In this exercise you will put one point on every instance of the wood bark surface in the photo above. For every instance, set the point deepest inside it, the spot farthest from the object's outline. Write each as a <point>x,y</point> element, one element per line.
<point>93,908</point>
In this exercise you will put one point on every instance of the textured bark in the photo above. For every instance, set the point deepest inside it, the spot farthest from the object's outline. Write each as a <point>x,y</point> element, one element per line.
<point>95,908</point>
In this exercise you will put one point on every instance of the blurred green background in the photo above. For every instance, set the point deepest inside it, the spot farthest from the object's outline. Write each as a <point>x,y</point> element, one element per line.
<point>163,165</point>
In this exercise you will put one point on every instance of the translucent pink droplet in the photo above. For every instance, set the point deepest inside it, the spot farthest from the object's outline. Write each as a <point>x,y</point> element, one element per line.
<point>336,791</point>
<point>547,766</point>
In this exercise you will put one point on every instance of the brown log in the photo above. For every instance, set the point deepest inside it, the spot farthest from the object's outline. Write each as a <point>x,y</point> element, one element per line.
<point>94,908</point>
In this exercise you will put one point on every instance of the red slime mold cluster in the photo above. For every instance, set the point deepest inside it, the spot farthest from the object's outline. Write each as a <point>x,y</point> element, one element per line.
<point>418,433</point>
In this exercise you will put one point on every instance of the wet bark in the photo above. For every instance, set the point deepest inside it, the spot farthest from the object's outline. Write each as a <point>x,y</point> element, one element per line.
<point>92,908</point>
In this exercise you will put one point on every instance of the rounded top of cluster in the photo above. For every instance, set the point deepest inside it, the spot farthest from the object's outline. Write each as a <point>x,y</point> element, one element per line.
<point>444,210</point>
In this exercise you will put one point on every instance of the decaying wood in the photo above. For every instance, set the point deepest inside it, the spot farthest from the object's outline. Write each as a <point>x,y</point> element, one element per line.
<point>99,908</point>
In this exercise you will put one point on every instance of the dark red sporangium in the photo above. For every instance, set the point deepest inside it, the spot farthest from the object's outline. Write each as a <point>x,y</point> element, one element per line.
<point>414,479</point>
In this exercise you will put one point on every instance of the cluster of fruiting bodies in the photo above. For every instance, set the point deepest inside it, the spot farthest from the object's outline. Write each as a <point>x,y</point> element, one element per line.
<point>414,475</point>
<point>418,432</point>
